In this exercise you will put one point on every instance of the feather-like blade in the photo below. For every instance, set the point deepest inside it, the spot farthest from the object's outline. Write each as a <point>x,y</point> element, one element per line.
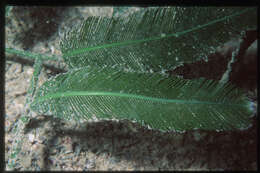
<point>157,38</point>
<point>152,99</point>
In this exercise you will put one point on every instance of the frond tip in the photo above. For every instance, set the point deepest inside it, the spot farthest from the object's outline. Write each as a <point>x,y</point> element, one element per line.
<point>152,99</point>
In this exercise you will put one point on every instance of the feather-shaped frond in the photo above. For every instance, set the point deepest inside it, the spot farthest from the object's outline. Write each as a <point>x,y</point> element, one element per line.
<point>157,38</point>
<point>152,99</point>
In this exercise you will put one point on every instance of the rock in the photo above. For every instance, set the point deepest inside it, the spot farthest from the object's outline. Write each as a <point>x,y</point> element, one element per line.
<point>90,164</point>
<point>31,137</point>
<point>26,162</point>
